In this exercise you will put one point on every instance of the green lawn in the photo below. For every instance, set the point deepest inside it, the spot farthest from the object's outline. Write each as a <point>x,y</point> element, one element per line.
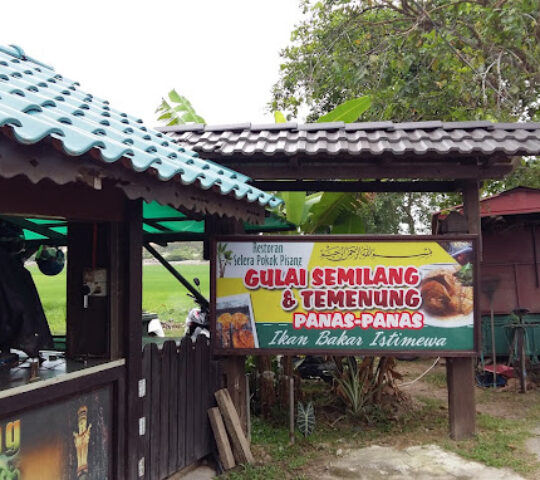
<point>162,293</point>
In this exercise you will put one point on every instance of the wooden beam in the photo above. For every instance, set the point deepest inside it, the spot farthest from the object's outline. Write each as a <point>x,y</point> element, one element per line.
<point>241,448</point>
<point>353,186</point>
<point>19,196</point>
<point>335,170</point>
<point>154,224</point>
<point>161,238</point>
<point>222,440</point>
<point>34,227</point>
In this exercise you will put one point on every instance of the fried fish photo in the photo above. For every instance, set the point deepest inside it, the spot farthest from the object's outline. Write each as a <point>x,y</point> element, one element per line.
<point>235,322</point>
<point>446,293</point>
<point>224,322</point>
<point>243,339</point>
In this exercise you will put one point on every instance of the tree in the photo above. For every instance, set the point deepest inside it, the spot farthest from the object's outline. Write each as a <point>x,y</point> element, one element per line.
<point>419,60</point>
<point>527,174</point>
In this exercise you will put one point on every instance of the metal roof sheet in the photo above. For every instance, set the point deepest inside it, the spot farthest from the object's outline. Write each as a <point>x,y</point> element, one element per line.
<point>38,103</point>
<point>518,200</point>
<point>361,139</point>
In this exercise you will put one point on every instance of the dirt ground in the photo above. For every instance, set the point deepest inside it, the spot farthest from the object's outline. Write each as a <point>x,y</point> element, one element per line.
<point>505,402</point>
<point>411,455</point>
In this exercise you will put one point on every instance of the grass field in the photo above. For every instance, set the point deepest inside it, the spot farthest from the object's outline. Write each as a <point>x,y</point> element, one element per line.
<point>162,293</point>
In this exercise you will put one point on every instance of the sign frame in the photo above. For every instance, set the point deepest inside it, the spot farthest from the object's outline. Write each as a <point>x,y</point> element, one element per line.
<point>219,351</point>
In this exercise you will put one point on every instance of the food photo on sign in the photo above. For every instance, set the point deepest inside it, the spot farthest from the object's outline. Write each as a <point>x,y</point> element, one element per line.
<point>235,323</point>
<point>359,294</point>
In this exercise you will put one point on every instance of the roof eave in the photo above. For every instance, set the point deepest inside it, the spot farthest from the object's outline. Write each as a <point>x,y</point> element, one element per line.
<point>42,161</point>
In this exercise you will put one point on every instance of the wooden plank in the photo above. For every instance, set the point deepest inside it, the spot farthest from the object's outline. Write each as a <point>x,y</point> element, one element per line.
<point>119,432</point>
<point>222,440</point>
<point>191,425</point>
<point>182,403</point>
<point>198,410</point>
<point>242,452</point>
<point>359,170</point>
<point>155,423</point>
<point>203,437</point>
<point>147,406</point>
<point>197,386</point>
<point>164,407</point>
<point>173,409</point>
<point>209,400</point>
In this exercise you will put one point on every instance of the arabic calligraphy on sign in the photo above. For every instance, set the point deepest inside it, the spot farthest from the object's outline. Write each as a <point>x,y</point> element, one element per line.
<point>338,253</point>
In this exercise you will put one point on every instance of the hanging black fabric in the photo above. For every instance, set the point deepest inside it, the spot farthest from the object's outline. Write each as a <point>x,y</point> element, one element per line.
<point>22,320</point>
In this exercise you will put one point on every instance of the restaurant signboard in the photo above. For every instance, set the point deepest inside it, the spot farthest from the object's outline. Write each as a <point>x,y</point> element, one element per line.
<point>344,294</point>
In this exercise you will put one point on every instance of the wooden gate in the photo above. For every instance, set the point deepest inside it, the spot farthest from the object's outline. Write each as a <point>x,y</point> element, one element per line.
<point>180,385</point>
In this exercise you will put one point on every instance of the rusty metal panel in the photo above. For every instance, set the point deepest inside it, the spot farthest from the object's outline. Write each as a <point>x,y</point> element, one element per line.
<point>512,266</point>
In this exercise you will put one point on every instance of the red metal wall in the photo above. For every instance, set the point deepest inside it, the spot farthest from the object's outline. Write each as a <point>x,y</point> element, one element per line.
<point>508,256</point>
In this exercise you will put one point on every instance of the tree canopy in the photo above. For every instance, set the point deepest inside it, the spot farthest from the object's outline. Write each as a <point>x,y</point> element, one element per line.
<point>418,60</point>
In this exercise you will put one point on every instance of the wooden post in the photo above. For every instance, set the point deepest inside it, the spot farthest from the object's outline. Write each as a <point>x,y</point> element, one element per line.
<point>132,333</point>
<point>233,366</point>
<point>291,410</point>
<point>460,371</point>
<point>248,410</point>
<point>235,381</point>
<point>87,328</point>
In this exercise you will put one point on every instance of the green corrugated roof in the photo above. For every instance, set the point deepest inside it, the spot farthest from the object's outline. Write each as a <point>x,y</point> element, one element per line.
<point>38,103</point>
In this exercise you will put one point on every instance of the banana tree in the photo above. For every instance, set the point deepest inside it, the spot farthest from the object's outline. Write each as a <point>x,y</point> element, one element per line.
<point>177,110</point>
<point>327,212</point>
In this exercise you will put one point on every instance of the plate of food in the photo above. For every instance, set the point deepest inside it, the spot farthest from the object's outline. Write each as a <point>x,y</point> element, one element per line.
<point>447,295</point>
<point>235,326</point>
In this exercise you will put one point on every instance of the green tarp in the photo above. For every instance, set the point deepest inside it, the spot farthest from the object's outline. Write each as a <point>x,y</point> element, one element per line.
<point>159,221</point>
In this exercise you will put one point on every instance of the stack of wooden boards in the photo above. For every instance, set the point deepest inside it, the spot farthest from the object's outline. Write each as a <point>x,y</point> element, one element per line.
<point>226,425</point>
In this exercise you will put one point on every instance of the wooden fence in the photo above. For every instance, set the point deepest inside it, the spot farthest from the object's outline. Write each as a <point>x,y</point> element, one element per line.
<point>180,385</point>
